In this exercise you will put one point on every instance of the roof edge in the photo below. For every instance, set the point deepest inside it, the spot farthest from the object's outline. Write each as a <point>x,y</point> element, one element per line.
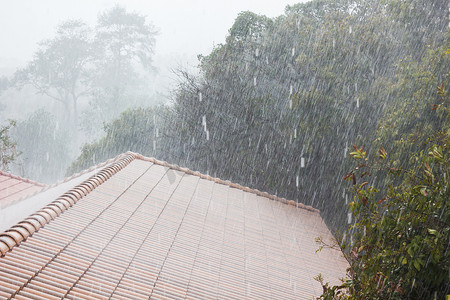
<point>22,179</point>
<point>46,187</point>
<point>226,182</point>
<point>25,228</point>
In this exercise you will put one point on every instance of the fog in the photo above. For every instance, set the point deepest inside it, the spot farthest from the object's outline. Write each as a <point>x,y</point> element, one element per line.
<point>183,30</point>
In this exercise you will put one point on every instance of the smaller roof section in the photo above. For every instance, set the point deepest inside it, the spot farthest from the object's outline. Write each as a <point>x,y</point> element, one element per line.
<point>14,188</point>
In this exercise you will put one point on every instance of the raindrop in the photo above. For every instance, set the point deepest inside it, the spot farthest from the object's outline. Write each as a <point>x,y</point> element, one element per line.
<point>254,81</point>
<point>207,135</point>
<point>350,30</point>
<point>200,96</point>
<point>334,43</point>
<point>357,102</point>
<point>296,181</point>
<point>257,52</point>
<point>293,51</point>
<point>267,60</point>
<point>290,103</point>
<point>290,90</point>
<point>302,162</point>
<point>154,145</point>
<point>295,133</point>
<point>349,218</point>
<point>156,132</point>
<point>343,238</point>
<point>204,122</point>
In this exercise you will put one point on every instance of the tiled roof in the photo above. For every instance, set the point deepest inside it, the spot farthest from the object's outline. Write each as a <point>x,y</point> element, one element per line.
<point>142,228</point>
<point>14,188</point>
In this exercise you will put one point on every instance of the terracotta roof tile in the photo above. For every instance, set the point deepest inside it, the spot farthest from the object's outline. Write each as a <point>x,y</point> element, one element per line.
<point>142,228</point>
<point>14,188</point>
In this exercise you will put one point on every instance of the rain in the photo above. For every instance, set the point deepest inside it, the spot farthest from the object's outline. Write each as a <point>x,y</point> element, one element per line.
<point>276,97</point>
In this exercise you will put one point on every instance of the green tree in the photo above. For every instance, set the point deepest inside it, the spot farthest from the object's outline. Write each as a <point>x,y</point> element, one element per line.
<point>8,151</point>
<point>399,243</point>
<point>139,130</point>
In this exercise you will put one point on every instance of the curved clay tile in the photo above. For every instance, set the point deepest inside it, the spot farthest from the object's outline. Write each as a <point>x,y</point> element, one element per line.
<point>19,232</point>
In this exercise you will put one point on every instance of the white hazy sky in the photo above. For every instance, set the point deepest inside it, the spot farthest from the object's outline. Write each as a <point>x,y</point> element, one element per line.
<point>186,27</point>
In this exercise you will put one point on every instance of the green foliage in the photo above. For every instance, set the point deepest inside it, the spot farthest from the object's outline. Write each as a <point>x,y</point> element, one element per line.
<point>248,25</point>
<point>419,113</point>
<point>399,247</point>
<point>8,152</point>
<point>136,130</point>
<point>306,84</point>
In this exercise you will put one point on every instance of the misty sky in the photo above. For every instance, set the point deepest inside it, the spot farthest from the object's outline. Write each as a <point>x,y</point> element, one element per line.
<point>186,27</point>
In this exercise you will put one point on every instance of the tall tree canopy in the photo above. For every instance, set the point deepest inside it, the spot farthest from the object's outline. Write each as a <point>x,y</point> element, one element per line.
<point>60,68</point>
<point>104,64</point>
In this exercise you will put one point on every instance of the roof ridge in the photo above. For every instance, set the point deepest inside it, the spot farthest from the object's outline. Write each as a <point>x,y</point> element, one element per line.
<point>225,182</point>
<point>22,178</point>
<point>46,187</point>
<point>22,230</point>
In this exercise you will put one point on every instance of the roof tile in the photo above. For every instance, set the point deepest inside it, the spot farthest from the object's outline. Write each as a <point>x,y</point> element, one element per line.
<point>143,228</point>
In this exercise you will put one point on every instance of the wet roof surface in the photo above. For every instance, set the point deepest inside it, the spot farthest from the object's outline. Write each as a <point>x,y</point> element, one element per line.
<point>148,230</point>
<point>13,188</point>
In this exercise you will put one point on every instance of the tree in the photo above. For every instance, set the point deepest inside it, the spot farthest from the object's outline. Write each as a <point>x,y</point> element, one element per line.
<point>59,68</point>
<point>126,42</point>
<point>8,151</point>
<point>140,130</point>
<point>398,245</point>
<point>44,146</point>
<point>106,65</point>
<point>399,242</point>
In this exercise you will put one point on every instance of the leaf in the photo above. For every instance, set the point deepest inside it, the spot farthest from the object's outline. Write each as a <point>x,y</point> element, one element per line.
<point>348,175</point>
<point>364,200</point>
<point>354,179</point>
<point>382,200</point>
<point>432,231</point>
<point>404,261</point>
<point>365,173</point>
<point>363,184</point>
<point>417,265</point>
<point>382,152</point>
